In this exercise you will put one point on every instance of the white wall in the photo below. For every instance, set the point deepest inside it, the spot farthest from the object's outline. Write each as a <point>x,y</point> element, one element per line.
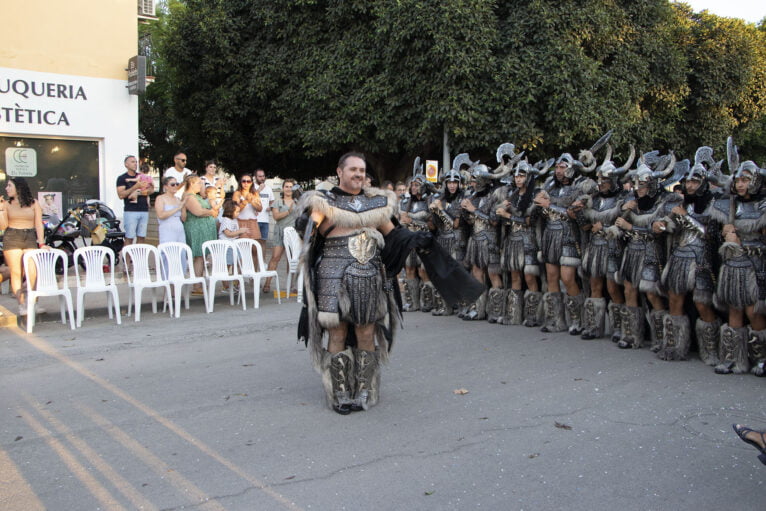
<point>93,108</point>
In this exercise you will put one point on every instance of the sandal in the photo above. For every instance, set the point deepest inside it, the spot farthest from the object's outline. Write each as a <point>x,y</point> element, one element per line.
<point>742,431</point>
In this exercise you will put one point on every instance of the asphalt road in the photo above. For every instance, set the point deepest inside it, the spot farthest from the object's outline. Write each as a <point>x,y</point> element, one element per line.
<point>223,411</point>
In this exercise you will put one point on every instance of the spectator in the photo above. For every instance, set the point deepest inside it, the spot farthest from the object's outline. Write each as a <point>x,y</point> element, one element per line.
<point>249,203</point>
<point>171,214</point>
<point>267,197</point>
<point>22,220</point>
<point>388,185</point>
<point>211,173</point>
<point>284,211</point>
<point>400,190</point>
<point>179,170</point>
<point>230,229</point>
<point>199,225</point>
<point>134,189</point>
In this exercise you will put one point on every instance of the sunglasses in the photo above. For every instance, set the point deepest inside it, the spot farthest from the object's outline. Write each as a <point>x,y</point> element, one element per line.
<point>172,184</point>
<point>247,180</point>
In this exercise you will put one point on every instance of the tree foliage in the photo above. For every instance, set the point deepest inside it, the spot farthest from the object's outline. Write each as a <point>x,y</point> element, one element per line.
<point>290,85</point>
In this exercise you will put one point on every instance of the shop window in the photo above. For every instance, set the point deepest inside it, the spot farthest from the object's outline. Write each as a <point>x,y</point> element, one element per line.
<point>66,171</point>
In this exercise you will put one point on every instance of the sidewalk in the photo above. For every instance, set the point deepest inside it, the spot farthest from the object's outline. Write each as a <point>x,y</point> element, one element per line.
<point>95,303</point>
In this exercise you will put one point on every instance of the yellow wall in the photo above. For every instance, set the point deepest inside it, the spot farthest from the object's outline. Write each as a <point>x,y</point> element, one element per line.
<point>76,37</point>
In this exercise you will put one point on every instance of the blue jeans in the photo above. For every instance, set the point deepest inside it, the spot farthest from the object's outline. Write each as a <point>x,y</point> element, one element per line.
<point>264,228</point>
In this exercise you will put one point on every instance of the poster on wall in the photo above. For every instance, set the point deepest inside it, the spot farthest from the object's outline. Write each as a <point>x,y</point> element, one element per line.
<point>50,202</point>
<point>21,161</point>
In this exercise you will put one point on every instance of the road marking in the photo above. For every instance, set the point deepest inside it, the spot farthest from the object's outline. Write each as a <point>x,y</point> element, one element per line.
<point>49,350</point>
<point>80,472</point>
<point>95,459</point>
<point>16,494</point>
<point>159,467</point>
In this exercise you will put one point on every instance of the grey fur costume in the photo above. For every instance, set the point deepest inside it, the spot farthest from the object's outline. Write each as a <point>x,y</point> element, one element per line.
<point>560,243</point>
<point>519,244</point>
<point>482,250</point>
<point>346,282</point>
<point>602,253</point>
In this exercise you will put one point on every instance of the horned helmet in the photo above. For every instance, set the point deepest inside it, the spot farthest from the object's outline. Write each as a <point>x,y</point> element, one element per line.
<point>745,170</point>
<point>608,172</point>
<point>586,160</point>
<point>651,169</point>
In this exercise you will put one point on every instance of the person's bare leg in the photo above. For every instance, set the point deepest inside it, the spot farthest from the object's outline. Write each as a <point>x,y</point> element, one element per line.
<point>199,270</point>
<point>13,259</point>
<point>568,277</point>
<point>276,256</point>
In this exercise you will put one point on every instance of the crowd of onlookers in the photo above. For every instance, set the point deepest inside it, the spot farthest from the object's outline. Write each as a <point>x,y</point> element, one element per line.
<point>193,208</point>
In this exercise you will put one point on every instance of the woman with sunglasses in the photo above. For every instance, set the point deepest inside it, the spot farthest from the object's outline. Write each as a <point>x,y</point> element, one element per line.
<point>170,212</point>
<point>247,203</point>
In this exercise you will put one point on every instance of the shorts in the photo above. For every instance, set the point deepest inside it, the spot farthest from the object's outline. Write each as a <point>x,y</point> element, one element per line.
<point>264,227</point>
<point>135,224</point>
<point>19,239</point>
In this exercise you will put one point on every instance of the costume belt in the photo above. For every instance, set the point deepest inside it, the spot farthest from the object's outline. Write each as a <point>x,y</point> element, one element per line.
<point>640,236</point>
<point>517,226</point>
<point>556,216</point>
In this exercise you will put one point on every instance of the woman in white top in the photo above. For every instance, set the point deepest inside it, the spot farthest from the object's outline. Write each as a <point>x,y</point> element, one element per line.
<point>247,204</point>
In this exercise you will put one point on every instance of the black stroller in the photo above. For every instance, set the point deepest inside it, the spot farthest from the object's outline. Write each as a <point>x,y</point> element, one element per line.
<point>88,223</point>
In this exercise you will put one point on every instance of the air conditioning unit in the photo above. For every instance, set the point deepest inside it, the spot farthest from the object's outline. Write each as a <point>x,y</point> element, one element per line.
<point>146,8</point>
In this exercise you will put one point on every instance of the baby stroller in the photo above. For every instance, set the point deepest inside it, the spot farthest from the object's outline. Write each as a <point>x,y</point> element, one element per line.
<point>90,220</point>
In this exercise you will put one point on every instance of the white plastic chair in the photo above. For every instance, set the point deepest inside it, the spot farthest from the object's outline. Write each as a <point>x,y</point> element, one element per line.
<point>249,270</point>
<point>293,245</point>
<point>137,261</point>
<point>47,284</point>
<point>177,262</point>
<point>94,258</point>
<point>216,270</point>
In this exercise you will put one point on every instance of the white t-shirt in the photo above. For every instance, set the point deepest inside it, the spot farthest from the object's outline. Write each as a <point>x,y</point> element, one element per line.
<point>227,224</point>
<point>267,197</point>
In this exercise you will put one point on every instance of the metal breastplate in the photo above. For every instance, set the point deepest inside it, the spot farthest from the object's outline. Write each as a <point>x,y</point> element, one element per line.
<point>601,204</point>
<point>356,203</point>
<point>482,204</point>
<point>562,195</point>
<point>694,226</point>
<point>418,212</point>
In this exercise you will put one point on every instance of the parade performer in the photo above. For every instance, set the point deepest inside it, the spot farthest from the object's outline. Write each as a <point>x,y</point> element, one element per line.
<point>644,253</point>
<point>742,276</point>
<point>694,239</point>
<point>352,254</point>
<point>519,216</point>
<point>413,211</point>
<point>482,252</point>
<point>602,253</point>
<point>445,209</point>
<point>562,199</point>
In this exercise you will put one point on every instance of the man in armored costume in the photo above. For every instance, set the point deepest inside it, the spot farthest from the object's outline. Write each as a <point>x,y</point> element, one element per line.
<point>352,254</point>
<point>414,214</point>
<point>562,200</point>
<point>644,254</point>
<point>482,252</point>
<point>445,209</point>
<point>742,276</point>
<point>519,217</point>
<point>694,239</point>
<point>602,254</point>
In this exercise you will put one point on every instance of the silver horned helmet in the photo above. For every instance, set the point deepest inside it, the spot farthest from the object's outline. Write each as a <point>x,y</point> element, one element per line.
<point>745,170</point>
<point>651,169</point>
<point>457,173</point>
<point>507,159</point>
<point>607,171</point>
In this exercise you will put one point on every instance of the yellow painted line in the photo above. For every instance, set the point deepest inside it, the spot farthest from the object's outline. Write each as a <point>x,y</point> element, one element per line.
<point>80,472</point>
<point>95,459</point>
<point>159,467</point>
<point>49,350</point>
<point>15,492</point>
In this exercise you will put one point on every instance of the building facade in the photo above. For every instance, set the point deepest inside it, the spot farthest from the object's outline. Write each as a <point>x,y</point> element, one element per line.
<point>67,121</point>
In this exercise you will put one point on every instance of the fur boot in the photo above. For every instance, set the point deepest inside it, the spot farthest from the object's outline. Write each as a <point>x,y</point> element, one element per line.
<point>615,318</point>
<point>707,341</point>
<point>440,306</point>
<point>756,347</point>
<point>656,321</point>
<point>514,307</point>
<point>555,318</point>
<point>732,351</point>
<point>462,309</point>
<point>632,323</point>
<point>427,291</point>
<point>411,295</point>
<point>478,309</point>
<point>495,305</point>
<point>533,308</point>
<point>574,313</point>
<point>676,339</point>
<point>367,381</point>
<point>337,377</point>
<point>594,311</point>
